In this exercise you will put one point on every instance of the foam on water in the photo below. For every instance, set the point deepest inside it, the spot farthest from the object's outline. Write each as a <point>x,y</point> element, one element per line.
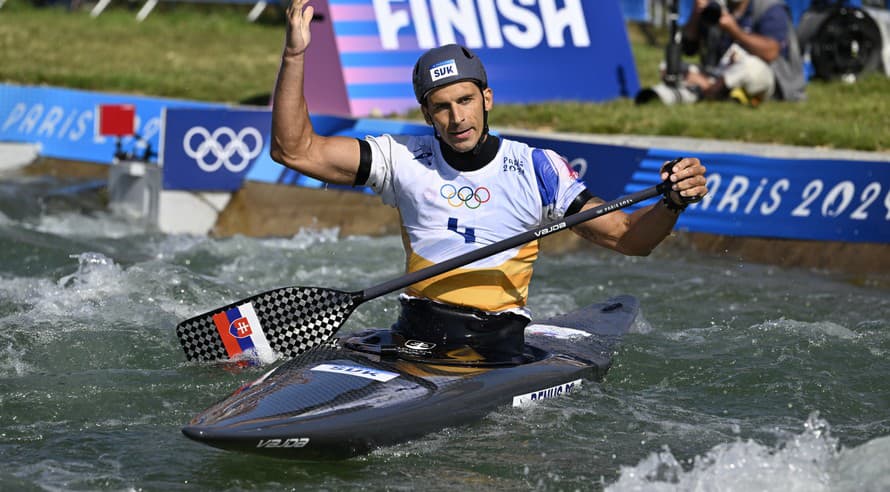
<point>304,239</point>
<point>864,468</point>
<point>55,475</point>
<point>248,265</point>
<point>100,224</point>
<point>12,362</point>
<point>811,461</point>
<point>782,330</point>
<point>812,330</point>
<point>176,277</point>
<point>97,298</point>
<point>97,279</point>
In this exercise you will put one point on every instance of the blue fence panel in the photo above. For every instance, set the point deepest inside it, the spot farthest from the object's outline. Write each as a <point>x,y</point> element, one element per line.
<point>819,199</point>
<point>636,10</point>
<point>218,148</point>
<point>64,121</point>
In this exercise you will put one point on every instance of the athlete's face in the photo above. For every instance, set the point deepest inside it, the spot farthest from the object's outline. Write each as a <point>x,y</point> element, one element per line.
<point>456,111</point>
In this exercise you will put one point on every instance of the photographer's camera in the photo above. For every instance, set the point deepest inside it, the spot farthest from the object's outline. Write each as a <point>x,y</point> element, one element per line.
<point>710,15</point>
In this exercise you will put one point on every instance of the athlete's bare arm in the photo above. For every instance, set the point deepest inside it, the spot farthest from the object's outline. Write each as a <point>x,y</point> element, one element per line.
<point>294,142</point>
<point>637,234</point>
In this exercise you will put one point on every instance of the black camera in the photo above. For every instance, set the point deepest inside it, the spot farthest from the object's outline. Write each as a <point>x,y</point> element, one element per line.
<point>710,15</point>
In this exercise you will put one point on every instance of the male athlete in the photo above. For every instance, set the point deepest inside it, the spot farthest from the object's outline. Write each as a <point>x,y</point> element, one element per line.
<point>458,191</point>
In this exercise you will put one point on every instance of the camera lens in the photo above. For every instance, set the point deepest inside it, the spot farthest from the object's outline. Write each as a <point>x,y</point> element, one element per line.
<point>711,13</point>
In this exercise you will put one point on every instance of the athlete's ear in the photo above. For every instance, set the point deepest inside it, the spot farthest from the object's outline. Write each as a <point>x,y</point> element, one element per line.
<point>426,115</point>
<point>488,98</point>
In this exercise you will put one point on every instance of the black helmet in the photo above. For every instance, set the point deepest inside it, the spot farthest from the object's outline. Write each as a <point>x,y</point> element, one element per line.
<point>446,65</point>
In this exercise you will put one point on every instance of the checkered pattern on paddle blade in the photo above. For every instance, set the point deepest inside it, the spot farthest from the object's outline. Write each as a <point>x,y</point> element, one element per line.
<point>293,320</point>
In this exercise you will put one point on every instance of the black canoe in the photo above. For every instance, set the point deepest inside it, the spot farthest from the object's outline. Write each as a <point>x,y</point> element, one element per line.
<point>345,399</point>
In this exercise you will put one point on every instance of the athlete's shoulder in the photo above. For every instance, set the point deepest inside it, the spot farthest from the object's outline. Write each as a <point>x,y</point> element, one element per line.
<point>547,158</point>
<point>514,150</point>
<point>514,145</point>
<point>400,140</point>
<point>402,146</point>
<point>517,147</point>
<point>543,160</point>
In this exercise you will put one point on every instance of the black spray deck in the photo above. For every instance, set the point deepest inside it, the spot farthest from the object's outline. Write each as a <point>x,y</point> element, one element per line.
<point>334,402</point>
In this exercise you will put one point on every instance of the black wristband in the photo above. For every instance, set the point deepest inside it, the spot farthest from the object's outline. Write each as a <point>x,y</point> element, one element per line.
<point>670,204</point>
<point>673,207</point>
<point>579,202</point>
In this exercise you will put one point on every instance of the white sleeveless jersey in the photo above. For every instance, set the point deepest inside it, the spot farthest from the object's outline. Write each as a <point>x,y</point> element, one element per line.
<point>446,213</point>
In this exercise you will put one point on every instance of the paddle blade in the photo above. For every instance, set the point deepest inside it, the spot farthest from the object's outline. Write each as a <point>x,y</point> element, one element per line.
<point>281,322</point>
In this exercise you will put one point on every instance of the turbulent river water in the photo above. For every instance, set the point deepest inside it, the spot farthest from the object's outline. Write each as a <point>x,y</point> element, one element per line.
<point>747,377</point>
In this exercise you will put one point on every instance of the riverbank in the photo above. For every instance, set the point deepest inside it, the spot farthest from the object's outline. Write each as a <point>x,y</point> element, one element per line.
<point>210,53</point>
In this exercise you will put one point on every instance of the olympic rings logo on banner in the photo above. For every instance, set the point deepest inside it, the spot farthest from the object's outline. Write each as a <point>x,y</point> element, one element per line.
<point>465,195</point>
<point>210,145</point>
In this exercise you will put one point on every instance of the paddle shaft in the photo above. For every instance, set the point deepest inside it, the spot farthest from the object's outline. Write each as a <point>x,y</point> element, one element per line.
<point>511,242</point>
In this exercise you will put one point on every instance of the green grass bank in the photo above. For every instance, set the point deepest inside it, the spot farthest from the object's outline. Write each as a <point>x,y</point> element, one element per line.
<point>212,53</point>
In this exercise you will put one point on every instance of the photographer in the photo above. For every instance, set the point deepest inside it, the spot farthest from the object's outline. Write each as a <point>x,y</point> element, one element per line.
<point>749,53</point>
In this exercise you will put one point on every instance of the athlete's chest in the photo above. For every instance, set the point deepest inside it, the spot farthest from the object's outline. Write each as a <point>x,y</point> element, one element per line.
<point>503,192</point>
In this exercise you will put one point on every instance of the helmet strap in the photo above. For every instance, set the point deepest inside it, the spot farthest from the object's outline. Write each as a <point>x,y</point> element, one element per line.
<point>471,160</point>
<point>478,148</point>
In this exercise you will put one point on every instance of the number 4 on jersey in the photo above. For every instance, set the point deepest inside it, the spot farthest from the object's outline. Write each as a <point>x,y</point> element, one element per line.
<point>469,233</point>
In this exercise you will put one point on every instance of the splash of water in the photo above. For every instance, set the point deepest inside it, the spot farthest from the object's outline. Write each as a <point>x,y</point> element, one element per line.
<point>811,461</point>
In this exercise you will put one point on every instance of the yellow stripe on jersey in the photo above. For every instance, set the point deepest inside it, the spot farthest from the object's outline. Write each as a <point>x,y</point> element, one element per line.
<point>497,288</point>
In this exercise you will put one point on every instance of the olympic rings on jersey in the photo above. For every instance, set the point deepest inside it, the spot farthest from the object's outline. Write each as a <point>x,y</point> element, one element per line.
<point>210,144</point>
<point>465,195</point>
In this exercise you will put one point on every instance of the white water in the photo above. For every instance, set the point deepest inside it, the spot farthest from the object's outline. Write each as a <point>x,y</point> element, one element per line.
<point>812,461</point>
<point>745,377</point>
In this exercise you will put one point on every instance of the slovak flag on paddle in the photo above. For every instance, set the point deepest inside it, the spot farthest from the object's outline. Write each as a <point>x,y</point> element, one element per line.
<point>241,333</point>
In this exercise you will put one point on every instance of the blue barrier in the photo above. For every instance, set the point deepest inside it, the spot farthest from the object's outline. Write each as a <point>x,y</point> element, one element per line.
<point>212,147</point>
<point>818,199</point>
<point>63,121</point>
<point>637,10</point>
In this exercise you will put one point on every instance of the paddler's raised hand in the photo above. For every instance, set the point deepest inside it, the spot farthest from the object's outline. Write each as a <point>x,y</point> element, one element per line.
<point>299,15</point>
<point>688,180</point>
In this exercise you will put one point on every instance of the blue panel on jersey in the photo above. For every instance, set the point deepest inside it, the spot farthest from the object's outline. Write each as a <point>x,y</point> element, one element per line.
<point>548,180</point>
